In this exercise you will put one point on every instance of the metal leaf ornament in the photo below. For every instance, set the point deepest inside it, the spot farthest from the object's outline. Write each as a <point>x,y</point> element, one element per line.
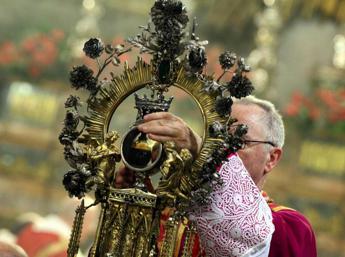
<point>216,129</point>
<point>170,19</point>
<point>197,59</point>
<point>78,146</point>
<point>71,120</point>
<point>240,86</point>
<point>82,77</point>
<point>73,102</point>
<point>223,106</point>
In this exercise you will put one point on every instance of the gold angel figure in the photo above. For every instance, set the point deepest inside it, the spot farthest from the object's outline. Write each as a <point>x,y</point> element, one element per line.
<point>105,156</point>
<point>175,170</point>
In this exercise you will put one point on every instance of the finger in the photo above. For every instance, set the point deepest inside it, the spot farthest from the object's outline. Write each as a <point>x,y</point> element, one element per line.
<point>117,185</point>
<point>122,185</point>
<point>124,181</point>
<point>124,175</point>
<point>125,172</point>
<point>159,115</point>
<point>160,138</point>
<point>156,127</point>
<point>130,179</point>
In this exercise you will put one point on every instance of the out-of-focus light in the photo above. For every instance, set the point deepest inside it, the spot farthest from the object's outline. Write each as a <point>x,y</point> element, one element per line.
<point>339,42</point>
<point>21,88</point>
<point>254,58</point>
<point>339,51</point>
<point>269,2</point>
<point>260,79</point>
<point>264,37</point>
<point>89,4</point>
<point>76,47</point>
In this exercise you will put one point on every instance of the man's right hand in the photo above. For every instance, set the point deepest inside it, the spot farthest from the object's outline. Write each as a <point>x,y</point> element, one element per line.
<point>164,126</point>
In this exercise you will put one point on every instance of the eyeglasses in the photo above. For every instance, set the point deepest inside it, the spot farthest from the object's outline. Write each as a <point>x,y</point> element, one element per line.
<point>246,143</point>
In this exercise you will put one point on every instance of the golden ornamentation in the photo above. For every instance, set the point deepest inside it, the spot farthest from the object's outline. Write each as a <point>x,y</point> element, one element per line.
<point>175,170</point>
<point>74,242</point>
<point>189,240</point>
<point>105,156</point>
<point>171,229</point>
<point>125,224</point>
<point>129,221</point>
<point>102,110</point>
<point>120,87</point>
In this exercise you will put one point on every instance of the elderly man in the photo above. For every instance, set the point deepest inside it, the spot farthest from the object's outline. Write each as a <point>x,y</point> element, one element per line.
<point>293,235</point>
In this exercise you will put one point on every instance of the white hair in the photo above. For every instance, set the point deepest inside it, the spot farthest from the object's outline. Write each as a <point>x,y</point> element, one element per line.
<point>272,119</point>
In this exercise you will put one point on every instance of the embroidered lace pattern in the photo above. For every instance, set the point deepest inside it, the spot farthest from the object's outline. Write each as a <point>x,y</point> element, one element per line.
<point>237,218</point>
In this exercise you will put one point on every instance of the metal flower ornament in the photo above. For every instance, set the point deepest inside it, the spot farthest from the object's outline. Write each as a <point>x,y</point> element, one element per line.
<point>93,48</point>
<point>178,60</point>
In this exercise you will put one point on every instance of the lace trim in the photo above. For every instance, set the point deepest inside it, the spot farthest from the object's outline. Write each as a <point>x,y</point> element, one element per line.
<point>237,218</point>
<point>260,250</point>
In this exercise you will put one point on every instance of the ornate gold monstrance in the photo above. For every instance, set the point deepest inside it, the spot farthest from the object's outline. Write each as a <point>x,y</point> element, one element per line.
<point>129,220</point>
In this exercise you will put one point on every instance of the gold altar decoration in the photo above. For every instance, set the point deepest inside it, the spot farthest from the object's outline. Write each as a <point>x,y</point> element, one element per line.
<point>129,222</point>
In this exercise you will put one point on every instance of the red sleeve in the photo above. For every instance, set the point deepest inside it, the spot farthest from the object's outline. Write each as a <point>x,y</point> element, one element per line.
<point>293,235</point>
<point>35,243</point>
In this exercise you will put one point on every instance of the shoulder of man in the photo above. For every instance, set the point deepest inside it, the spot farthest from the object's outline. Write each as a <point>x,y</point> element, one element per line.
<point>293,235</point>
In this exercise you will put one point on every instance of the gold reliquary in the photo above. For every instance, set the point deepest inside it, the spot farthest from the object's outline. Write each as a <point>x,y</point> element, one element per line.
<point>130,219</point>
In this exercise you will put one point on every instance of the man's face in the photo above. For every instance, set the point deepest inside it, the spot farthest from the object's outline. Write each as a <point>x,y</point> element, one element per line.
<point>255,156</point>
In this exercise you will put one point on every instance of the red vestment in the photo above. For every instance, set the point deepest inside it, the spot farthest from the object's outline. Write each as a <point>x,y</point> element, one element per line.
<point>293,235</point>
<point>47,237</point>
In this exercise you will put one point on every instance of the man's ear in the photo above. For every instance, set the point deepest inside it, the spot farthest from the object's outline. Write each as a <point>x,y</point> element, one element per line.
<point>272,159</point>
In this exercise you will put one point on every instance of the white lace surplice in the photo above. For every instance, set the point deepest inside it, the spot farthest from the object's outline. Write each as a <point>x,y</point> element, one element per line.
<point>238,221</point>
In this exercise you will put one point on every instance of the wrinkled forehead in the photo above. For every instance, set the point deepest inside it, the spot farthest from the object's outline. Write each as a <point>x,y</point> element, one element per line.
<point>251,115</point>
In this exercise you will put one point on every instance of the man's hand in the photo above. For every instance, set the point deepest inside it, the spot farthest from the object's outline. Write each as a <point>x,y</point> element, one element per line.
<point>164,126</point>
<point>124,178</point>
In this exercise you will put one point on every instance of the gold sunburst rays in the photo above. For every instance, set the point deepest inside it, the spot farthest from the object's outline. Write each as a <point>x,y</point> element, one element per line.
<point>102,109</point>
<point>206,102</point>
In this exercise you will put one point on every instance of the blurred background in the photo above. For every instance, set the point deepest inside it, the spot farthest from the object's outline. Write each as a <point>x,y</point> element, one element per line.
<point>297,52</point>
